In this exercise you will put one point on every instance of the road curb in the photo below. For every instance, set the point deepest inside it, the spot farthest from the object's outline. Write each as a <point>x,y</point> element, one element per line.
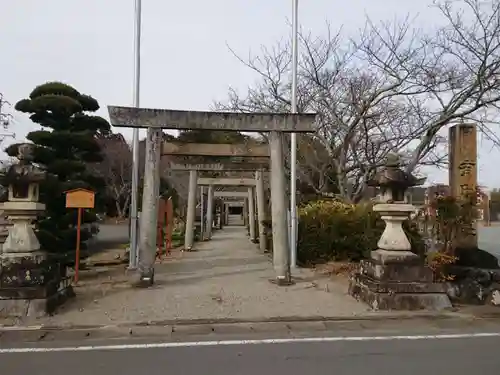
<point>182,329</point>
<point>226,321</point>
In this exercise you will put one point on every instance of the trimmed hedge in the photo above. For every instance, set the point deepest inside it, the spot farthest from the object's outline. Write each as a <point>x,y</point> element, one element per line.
<point>333,230</point>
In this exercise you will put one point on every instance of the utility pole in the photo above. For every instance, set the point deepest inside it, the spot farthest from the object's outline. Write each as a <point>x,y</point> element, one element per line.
<point>293,141</point>
<point>134,220</point>
<point>143,252</point>
<point>5,119</point>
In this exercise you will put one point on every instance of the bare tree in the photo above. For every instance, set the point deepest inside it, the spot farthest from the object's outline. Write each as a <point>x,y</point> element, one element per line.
<point>116,170</point>
<point>179,180</point>
<point>392,88</point>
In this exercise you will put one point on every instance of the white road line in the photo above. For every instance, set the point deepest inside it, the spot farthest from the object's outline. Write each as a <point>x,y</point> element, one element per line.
<point>85,348</point>
<point>22,328</point>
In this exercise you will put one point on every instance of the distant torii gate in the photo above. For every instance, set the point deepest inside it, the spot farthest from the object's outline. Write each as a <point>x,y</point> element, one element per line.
<point>194,166</point>
<point>157,119</point>
<point>211,149</point>
<point>189,164</point>
<point>250,184</point>
<point>237,157</point>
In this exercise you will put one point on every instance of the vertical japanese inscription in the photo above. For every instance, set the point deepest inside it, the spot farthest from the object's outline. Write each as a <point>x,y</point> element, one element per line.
<point>463,159</point>
<point>463,171</point>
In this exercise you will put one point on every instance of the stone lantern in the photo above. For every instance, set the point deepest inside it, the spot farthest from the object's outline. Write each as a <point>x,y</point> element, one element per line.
<point>22,206</point>
<point>395,278</point>
<point>29,280</point>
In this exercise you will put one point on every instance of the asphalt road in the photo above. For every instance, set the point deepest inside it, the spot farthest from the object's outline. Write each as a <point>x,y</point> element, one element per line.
<point>374,356</point>
<point>489,239</point>
<point>109,236</point>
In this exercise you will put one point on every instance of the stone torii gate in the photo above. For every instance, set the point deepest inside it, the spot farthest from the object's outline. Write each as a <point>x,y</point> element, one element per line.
<point>248,204</point>
<point>215,149</point>
<point>188,164</point>
<point>232,203</point>
<point>194,167</point>
<point>156,119</point>
<point>235,157</point>
<point>231,194</point>
<point>250,183</point>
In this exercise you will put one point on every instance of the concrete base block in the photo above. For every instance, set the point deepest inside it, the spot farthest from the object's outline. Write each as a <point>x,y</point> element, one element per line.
<point>36,308</point>
<point>398,286</point>
<point>388,300</point>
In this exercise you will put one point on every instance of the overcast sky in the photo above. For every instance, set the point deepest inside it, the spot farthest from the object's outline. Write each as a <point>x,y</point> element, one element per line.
<point>186,63</point>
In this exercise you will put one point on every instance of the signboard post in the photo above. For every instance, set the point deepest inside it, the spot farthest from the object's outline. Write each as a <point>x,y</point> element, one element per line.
<point>79,199</point>
<point>170,225</point>
<point>165,225</point>
<point>161,223</point>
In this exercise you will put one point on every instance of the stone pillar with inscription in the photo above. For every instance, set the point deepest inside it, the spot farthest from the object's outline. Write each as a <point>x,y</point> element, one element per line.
<point>463,173</point>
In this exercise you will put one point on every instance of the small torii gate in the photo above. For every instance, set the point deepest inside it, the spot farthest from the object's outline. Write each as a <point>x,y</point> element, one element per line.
<point>194,166</point>
<point>212,149</point>
<point>230,156</point>
<point>157,119</point>
<point>250,183</point>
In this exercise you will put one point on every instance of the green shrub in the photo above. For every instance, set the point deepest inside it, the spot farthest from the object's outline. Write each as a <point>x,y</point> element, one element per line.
<point>334,230</point>
<point>177,236</point>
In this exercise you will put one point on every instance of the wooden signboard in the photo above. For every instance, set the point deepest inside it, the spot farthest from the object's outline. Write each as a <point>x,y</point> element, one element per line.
<point>79,199</point>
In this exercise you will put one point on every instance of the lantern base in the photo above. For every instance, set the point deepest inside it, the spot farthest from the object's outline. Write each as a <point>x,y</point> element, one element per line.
<point>398,285</point>
<point>31,285</point>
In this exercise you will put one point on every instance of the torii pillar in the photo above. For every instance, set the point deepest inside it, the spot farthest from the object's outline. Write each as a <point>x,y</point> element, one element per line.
<point>210,211</point>
<point>261,209</point>
<point>251,214</point>
<point>191,211</point>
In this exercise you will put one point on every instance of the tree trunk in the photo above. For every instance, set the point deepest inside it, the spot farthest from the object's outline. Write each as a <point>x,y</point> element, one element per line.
<point>122,209</point>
